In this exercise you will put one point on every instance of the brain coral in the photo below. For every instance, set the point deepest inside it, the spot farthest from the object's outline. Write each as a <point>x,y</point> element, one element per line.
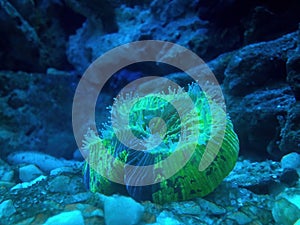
<point>112,165</point>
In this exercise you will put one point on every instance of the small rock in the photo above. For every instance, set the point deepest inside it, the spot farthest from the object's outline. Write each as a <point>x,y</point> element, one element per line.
<point>289,177</point>
<point>291,161</point>
<point>286,209</point>
<point>29,172</point>
<point>258,177</point>
<point>80,197</point>
<point>210,207</point>
<point>122,210</point>
<point>66,218</point>
<point>149,218</point>
<point>61,170</point>
<point>28,184</point>
<point>90,211</point>
<point>45,162</point>
<point>26,221</point>
<point>6,173</point>
<point>66,184</point>
<point>167,218</point>
<point>186,208</point>
<point>59,184</point>
<point>97,212</point>
<point>7,209</point>
<point>284,212</point>
<point>240,218</point>
<point>8,176</point>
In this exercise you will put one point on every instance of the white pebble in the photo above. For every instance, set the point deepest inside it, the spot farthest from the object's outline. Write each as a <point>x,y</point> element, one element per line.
<point>291,161</point>
<point>29,173</point>
<point>122,210</point>
<point>28,184</point>
<point>66,218</point>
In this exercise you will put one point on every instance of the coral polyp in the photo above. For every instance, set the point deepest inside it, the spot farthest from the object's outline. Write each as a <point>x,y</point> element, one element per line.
<point>153,147</point>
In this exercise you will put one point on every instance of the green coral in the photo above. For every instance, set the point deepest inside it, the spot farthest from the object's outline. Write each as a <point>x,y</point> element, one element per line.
<point>109,158</point>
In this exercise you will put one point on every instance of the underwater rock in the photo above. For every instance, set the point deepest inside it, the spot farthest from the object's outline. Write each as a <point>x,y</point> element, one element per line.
<point>122,210</point>
<point>236,199</point>
<point>227,203</point>
<point>14,23</point>
<point>29,173</point>
<point>35,113</point>
<point>6,172</point>
<point>270,20</point>
<point>260,101</point>
<point>100,14</point>
<point>142,23</point>
<point>71,169</point>
<point>286,209</point>
<point>240,218</point>
<point>186,208</point>
<point>66,218</point>
<point>258,20</point>
<point>259,119</point>
<point>167,218</point>
<point>182,22</point>
<point>211,208</point>
<point>35,35</point>
<point>217,67</point>
<point>43,161</point>
<point>291,161</point>
<point>257,65</point>
<point>258,177</point>
<point>290,133</point>
<point>81,197</point>
<point>25,185</point>
<point>65,184</point>
<point>89,211</point>
<point>7,209</point>
<point>289,177</point>
<point>90,41</point>
<point>166,11</point>
<point>293,73</point>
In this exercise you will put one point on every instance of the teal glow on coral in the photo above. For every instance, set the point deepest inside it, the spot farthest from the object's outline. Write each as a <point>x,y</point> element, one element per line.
<point>188,182</point>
